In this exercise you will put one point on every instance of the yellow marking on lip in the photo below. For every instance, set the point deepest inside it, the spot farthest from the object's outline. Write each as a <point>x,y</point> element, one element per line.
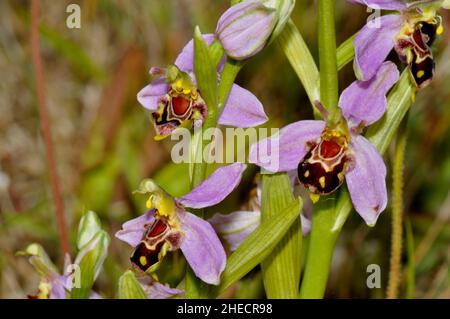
<point>306,174</point>
<point>322,181</point>
<point>420,74</point>
<point>314,197</point>
<point>143,260</point>
<point>440,29</point>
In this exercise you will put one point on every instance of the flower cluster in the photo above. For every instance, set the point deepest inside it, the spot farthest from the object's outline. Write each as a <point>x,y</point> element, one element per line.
<point>319,155</point>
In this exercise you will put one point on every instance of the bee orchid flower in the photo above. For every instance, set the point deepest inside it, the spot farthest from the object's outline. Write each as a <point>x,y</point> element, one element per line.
<point>411,31</point>
<point>175,101</point>
<point>324,153</point>
<point>167,226</point>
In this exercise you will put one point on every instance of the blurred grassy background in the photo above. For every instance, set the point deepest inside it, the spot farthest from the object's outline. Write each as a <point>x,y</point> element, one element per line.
<point>104,141</point>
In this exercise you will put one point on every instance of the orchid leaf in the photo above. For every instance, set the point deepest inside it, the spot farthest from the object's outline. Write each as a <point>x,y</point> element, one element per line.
<point>205,72</point>
<point>129,287</point>
<point>301,60</point>
<point>345,52</point>
<point>298,54</point>
<point>88,227</point>
<point>281,272</point>
<point>90,260</point>
<point>259,245</point>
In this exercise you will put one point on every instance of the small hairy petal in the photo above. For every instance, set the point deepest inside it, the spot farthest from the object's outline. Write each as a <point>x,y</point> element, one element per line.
<point>202,248</point>
<point>366,181</point>
<point>215,188</point>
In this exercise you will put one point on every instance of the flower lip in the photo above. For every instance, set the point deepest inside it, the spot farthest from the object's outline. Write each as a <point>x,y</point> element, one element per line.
<point>180,105</point>
<point>157,239</point>
<point>322,169</point>
<point>413,47</point>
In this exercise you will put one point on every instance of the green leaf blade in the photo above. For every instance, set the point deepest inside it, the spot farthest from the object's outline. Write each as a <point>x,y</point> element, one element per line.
<point>259,245</point>
<point>281,272</point>
<point>129,287</point>
<point>205,72</point>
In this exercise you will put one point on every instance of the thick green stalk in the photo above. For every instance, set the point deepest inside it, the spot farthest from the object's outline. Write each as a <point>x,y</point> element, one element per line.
<point>206,60</point>
<point>318,260</point>
<point>327,55</point>
<point>319,255</point>
<point>411,272</point>
<point>395,269</point>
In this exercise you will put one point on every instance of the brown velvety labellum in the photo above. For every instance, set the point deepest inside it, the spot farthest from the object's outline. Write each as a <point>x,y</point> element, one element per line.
<point>144,257</point>
<point>146,252</point>
<point>429,30</point>
<point>423,71</point>
<point>322,169</point>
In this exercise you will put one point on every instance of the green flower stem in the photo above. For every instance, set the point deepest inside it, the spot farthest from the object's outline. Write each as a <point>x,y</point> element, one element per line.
<point>319,256</point>
<point>229,73</point>
<point>327,55</point>
<point>411,272</point>
<point>315,279</point>
<point>327,224</point>
<point>215,95</point>
<point>397,214</point>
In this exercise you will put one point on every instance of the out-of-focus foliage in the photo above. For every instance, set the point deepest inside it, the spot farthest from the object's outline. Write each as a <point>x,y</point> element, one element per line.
<point>104,139</point>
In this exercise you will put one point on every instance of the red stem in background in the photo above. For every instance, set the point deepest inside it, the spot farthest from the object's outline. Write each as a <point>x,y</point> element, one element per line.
<point>45,126</point>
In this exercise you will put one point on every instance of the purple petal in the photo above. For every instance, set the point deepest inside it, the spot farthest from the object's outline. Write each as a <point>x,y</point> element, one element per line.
<point>364,102</point>
<point>95,295</point>
<point>202,248</point>
<point>242,109</point>
<point>156,290</point>
<point>58,291</point>
<point>185,60</point>
<point>367,180</point>
<point>215,188</point>
<point>284,151</point>
<point>373,44</point>
<point>149,95</point>
<point>133,230</point>
<point>383,4</point>
<point>245,28</point>
<point>234,228</point>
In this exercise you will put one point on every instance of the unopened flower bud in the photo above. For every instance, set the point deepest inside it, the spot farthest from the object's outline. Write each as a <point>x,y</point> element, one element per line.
<point>244,29</point>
